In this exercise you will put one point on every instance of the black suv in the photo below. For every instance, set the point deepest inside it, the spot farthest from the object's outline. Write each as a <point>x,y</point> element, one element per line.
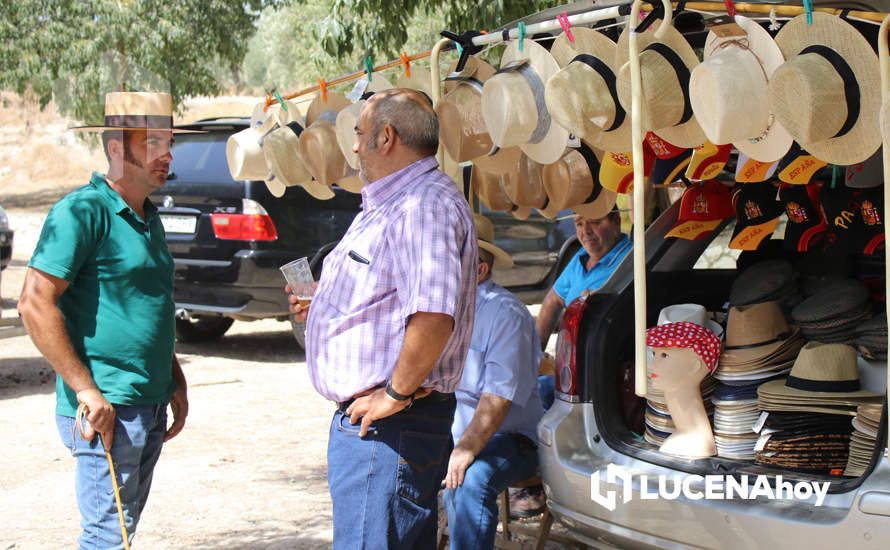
<point>228,238</point>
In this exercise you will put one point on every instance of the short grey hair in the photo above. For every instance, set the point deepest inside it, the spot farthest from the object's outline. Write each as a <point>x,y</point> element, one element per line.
<point>416,124</point>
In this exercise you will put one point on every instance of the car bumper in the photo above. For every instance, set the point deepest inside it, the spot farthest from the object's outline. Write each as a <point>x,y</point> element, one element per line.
<point>571,452</point>
<point>250,285</point>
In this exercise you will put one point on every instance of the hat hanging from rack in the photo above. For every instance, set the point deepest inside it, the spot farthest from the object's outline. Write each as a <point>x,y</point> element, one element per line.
<point>827,93</point>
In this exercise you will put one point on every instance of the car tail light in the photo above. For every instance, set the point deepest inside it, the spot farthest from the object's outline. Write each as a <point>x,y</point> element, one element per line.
<point>253,224</point>
<point>566,350</point>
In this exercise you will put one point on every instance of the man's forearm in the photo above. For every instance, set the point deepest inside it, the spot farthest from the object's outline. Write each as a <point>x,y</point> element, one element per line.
<point>178,375</point>
<point>425,337</point>
<point>490,414</point>
<point>547,316</point>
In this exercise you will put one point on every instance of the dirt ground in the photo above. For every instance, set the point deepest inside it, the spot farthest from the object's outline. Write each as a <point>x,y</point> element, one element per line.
<point>248,471</point>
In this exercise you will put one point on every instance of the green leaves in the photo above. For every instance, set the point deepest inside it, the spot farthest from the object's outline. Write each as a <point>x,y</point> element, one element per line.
<point>74,51</point>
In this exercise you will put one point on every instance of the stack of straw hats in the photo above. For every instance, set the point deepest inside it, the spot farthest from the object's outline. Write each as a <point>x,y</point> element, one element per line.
<point>866,424</point>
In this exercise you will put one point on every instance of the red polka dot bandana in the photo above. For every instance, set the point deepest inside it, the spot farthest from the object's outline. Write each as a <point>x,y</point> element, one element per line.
<point>684,334</point>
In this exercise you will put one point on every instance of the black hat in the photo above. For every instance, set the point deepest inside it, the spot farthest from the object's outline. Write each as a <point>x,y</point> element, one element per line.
<point>806,225</point>
<point>757,214</point>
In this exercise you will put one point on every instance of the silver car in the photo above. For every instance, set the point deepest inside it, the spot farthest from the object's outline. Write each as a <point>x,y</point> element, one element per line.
<point>600,478</point>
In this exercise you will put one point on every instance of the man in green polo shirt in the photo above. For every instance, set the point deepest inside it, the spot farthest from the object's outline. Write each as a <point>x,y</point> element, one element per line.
<point>98,303</point>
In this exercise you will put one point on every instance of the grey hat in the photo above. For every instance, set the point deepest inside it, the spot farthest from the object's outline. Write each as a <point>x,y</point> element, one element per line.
<point>767,281</point>
<point>832,302</point>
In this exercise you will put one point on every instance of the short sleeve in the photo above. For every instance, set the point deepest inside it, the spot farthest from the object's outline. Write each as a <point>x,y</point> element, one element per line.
<point>563,285</point>
<point>430,239</point>
<point>512,357</point>
<point>67,240</point>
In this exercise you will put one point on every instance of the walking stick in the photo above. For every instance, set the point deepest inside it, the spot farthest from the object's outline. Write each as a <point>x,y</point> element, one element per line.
<point>117,494</point>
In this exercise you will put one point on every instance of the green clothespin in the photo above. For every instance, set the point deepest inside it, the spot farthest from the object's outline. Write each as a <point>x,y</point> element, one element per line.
<point>834,175</point>
<point>458,47</point>
<point>369,66</point>
<point>280,100</point>
<point>521,37</point>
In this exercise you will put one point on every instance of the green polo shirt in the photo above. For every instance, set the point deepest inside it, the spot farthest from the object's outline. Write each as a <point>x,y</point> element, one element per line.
<point>118,306</point>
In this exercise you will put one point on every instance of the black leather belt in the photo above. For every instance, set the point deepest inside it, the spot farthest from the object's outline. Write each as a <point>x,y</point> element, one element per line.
<point>433,397</point>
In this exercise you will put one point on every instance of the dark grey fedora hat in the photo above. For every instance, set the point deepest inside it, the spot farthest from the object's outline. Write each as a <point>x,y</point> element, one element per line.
<point>766,281</point>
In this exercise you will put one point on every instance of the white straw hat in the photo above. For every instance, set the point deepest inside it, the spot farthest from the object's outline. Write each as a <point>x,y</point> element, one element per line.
<point>281,149</point>
<point>347,119</point>
<point>729,92</point>
<point>828,92</point>
<point>244,152</point>
<point>513,105</point>
<point>582,97</point>
<point>490,190</point>
<point>665,67</point>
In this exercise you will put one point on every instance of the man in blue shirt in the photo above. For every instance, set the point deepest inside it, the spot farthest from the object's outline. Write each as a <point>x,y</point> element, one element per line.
<point>498,405</point>
<point>603,247</point>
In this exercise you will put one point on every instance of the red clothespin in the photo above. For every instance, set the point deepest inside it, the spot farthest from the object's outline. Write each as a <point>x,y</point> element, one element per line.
<point>566,26</point>
<point>730,7</point>
<point>406,63</point>
<point>323,89</point>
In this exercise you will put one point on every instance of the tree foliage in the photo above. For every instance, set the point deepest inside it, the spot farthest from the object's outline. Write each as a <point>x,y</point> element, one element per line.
<point>382,26</point>
<point>285,52</point>
<point>74,51</point>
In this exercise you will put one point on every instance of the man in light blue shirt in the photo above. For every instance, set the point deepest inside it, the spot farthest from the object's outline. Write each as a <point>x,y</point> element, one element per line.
<point>498,405</point>
<point>603,246</point>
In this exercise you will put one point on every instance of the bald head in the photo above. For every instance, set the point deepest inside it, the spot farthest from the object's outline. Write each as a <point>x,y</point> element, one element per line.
<point>410,113</point>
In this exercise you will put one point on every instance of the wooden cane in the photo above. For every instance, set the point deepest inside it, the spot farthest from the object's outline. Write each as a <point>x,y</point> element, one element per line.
<point>81,410</point>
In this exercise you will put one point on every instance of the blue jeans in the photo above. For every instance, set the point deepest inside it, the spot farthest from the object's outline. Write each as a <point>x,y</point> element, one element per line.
<point>384,486</point>
<point>472,508</point>
<point>138,437</point>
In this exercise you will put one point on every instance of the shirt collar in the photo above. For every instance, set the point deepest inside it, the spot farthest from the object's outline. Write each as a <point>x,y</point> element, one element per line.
<point>114,200</point>
<point>381,191</point>
<point>611,256</point>
<point>486,285</point>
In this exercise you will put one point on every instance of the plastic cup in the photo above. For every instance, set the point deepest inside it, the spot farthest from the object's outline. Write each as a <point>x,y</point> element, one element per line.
<point>299,277</point>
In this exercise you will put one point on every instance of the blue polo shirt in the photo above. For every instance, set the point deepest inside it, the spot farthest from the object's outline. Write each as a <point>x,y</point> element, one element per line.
<point>118,306</point>
<point>575,279</point>
<point>503,360</point>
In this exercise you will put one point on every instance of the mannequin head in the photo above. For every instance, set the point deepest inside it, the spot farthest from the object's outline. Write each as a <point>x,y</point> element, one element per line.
<point>676,368</point>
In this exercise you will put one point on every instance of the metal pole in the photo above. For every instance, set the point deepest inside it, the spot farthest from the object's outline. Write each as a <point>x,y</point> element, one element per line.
<point>884,53</point>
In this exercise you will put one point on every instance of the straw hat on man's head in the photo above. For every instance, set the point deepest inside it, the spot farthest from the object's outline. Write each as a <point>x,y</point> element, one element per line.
<point>513,105</point>
<point>828,92</point>
<point>665,67</point>
<point>729,95</point>
<point>582,96</point>
<point>136,111</point>
<point>485,240</point>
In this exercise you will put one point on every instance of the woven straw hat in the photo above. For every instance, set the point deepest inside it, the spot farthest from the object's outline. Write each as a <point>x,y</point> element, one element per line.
<point>281,149</point>
<point>755,332</point>
<point>573,182</point>
<point>244,152</point>
<point>137,111</point>
<point>582,97</point>
<point>420,79</point>
<point>526,186</point>
<point>729,92</point>
<point>485,240</point>
<point>513,105</point>
<point>323,158</point>
<point>326,109</point>
<point>822,374</point>
<point>490,190</point>
<point>665,66</point>
<point>462,129</point>
<point>347,119</point>
<point>827,93</point>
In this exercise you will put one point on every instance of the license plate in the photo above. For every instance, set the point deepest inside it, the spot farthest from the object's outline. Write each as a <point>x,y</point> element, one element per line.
<point>179,224</point>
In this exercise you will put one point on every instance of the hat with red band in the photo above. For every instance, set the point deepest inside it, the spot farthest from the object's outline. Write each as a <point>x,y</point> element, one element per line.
<point>686,335</point>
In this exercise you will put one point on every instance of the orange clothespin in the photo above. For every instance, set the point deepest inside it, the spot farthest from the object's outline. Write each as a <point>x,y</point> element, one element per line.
<point>268,102</point>
<point>323,89</point>
<point>406,63</point>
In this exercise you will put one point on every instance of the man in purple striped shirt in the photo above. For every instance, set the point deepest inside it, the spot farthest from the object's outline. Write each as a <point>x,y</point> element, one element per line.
<point>389,329</point>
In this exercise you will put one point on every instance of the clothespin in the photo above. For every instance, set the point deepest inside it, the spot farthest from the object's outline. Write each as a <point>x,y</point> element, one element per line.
<point>681,6</point>
<point>808,7</point>
<point>834,175</point>
<point>657,11</point>
<point>280,100</point>
<point>369,66</point>
<point>269,100</point>
<point>521,37</point>
<point>406,64</point>
<point>459,48</point>
<point>323,90</point>
<point>566,26</point>
<point>730,7</point>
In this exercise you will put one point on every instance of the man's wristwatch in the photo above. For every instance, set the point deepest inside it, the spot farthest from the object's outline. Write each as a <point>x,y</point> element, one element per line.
<point>390,391</point>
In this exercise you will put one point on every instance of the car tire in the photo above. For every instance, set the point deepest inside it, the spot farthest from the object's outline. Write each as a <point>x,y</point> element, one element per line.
<point>299,332</point>
<point>202,329</point>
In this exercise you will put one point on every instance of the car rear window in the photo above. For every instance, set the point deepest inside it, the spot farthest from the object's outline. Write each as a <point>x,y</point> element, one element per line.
<point>200,157</point>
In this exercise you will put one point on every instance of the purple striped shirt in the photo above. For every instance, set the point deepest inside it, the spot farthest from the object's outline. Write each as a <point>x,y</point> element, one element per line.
<point>411,248</point>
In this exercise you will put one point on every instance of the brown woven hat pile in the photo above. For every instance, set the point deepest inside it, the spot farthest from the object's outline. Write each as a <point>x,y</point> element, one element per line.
<point>866,424</point>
